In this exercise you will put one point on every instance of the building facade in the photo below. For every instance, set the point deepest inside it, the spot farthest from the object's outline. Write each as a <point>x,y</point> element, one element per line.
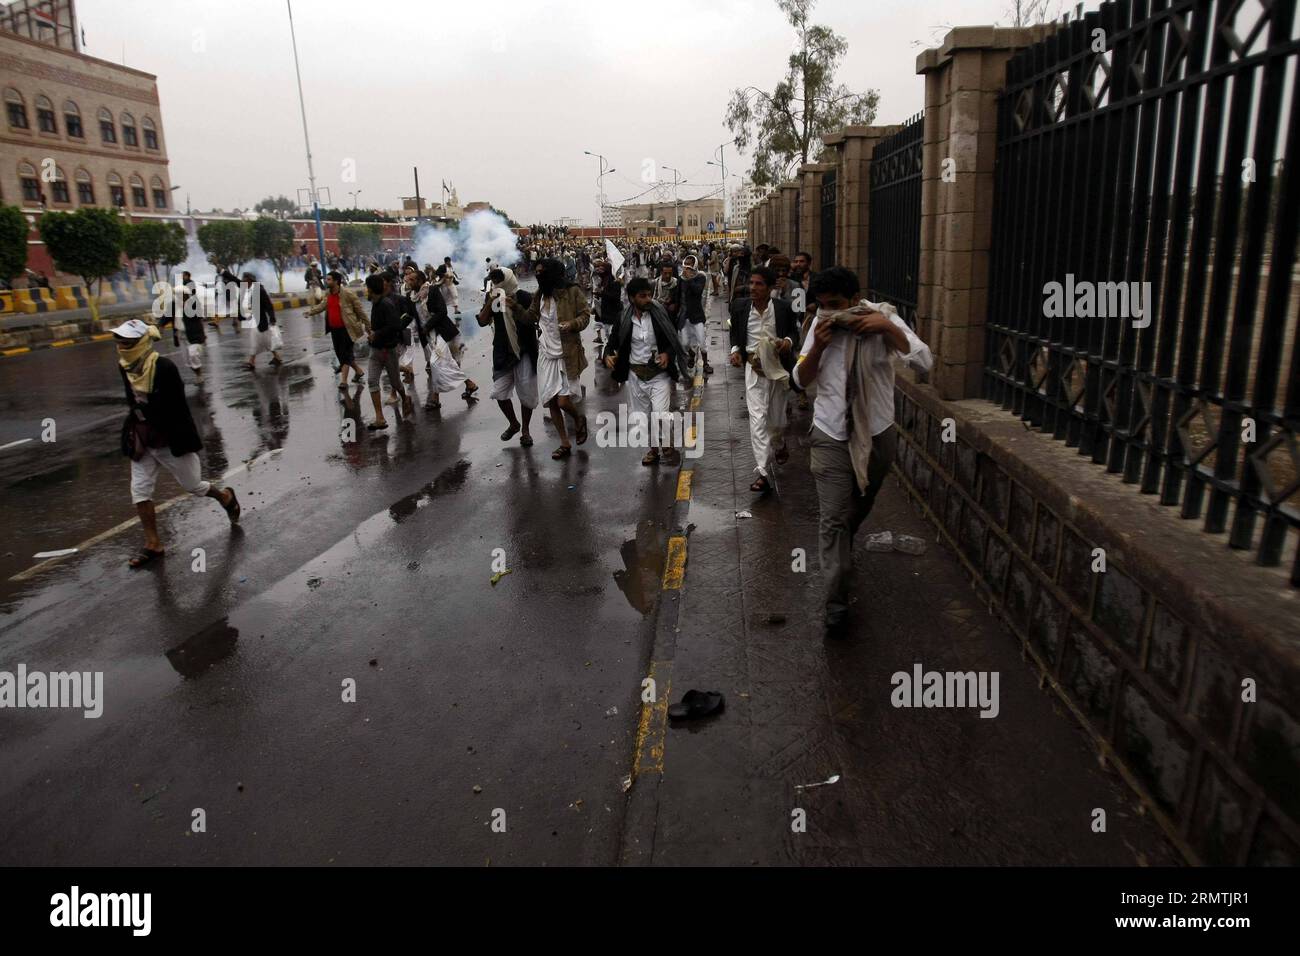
<point>78,131</point>
<point>689,217</point>
<point>743,198</point>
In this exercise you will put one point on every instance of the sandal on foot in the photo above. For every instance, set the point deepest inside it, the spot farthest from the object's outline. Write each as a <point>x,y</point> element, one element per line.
<point>761,485</point>
<point>510,433</point>
<point>376,426</point>
<point>145,556</point>
<point>651,457</point>
<point>526,441</point>
<point>696,704</point>
<point>580,431</point>
<point>232,507</point>
<point>564,451</point>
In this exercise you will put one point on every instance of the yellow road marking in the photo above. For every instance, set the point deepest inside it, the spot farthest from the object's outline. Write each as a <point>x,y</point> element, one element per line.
<point>650,731</point>
<point>695,404</point>
<point>684,484</point>
<point>101,336</point>
<point>690,437</point>
<point>17,351</point>
<point>699,379</point>
<point>62,342</point>
<point>675,565</point>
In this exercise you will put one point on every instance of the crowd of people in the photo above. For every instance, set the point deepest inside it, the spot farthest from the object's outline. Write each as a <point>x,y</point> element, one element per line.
<point>793,332</point>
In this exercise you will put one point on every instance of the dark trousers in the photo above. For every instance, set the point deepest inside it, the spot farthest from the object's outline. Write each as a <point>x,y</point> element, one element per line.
<point>842,509</point>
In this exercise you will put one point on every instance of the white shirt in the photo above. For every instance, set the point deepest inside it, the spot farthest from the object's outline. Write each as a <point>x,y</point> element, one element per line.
<point>644,348</point>
<point>756,320</point>
<point>550,326</point>
<point>829,407</point>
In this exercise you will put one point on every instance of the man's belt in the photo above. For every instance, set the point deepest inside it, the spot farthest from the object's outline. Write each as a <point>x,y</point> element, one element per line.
<point>646,372</point>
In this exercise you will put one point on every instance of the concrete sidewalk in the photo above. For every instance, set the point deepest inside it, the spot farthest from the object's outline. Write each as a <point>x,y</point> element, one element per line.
<point>916,786</point>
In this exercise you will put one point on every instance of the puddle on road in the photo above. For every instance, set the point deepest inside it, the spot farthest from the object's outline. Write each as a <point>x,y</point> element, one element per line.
<point>197,653</point>
<point>643,566</point>
<point>449,479</point>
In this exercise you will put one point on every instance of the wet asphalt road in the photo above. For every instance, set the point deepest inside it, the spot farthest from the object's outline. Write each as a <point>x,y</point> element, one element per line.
<point>369,561</point>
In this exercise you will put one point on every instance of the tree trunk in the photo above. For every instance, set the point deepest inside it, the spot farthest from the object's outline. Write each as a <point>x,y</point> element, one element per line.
<point>92,298</point>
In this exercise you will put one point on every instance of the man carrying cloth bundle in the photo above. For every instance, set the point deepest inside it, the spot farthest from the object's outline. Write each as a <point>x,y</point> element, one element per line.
<point>848,357</point>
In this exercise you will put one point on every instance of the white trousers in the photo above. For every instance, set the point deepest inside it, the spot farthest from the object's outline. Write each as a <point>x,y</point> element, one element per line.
<point>694,335</point>
<point>185,469</point>
<point>451,296</point>
<point>766,402</point>
<point>646,398</point>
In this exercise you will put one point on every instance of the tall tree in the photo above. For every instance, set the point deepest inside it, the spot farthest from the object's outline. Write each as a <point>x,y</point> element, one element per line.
<point>13,241</point>
<point>274,240</point>
<point>227,242</point>
<point>785,126</point>
<point>86,243</point>
<point>155,242</point>
<point>280,207</point>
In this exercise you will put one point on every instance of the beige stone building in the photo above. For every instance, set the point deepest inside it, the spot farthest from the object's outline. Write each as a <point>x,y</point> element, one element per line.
<point>658,219</point>
<point>76,131</point>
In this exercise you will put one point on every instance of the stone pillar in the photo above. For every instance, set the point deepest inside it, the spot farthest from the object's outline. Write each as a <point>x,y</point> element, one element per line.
<point>855,146</point>
<point>962,81</point>
<point>810,226</point>
<point>785,195</point>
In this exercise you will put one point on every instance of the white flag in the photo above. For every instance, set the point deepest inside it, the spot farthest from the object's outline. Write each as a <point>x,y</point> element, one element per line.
<point>615,257</point>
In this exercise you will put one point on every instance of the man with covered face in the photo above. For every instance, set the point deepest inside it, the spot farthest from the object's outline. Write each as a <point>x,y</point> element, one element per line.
<point>560,312</point>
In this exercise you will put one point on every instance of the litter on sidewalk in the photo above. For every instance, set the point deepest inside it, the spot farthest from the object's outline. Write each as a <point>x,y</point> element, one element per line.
<point>888,541</point>
<point>833,778</point>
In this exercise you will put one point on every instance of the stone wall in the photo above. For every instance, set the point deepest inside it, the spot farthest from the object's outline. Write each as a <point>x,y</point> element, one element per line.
<point>1149,654</point>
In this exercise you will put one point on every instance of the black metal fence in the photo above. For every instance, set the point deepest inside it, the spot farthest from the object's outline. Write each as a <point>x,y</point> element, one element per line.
<point>894,229</point>
<point>1160,150</point>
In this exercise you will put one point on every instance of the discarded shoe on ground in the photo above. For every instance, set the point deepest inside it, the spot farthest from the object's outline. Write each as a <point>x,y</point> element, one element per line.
<point>696,704</point>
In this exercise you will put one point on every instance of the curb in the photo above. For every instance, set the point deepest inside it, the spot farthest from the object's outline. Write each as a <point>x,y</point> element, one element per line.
<point>640,818</point>
<point>280,303</point>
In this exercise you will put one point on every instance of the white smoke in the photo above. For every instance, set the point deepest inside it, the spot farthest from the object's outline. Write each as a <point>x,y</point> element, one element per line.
<point>475,238</point>
<point>203,272</point>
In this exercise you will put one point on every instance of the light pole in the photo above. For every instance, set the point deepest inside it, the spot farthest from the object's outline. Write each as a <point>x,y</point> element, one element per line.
<point>311,173</point>
<point>722,156</point>
<point>600,190</point>
<point>354,196</point>
<point>677,213</point>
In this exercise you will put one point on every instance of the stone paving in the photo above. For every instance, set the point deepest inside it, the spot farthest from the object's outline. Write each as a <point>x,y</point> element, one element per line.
<point>916,786</point>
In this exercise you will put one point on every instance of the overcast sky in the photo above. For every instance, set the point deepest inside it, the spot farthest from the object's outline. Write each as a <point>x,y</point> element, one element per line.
<point>499,98</point>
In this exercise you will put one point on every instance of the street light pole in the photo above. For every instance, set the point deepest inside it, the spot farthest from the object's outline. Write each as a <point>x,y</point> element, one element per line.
<point>722,156</point>
<point>600,191</point>
<point>311,173</point>
<point>677,212</point>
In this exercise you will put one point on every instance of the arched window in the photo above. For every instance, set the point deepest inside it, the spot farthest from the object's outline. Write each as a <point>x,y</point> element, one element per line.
<point>72,120</point>
<point>116,194</point>
<point>107,131</point>
<point>30,182</point>
<point>16,109</point>
<point>85,188</point>
<point>59,188</point>
<point>128,130</point>
<point>138,198</point>
<point>159,190</point>
<point>150,134</point>
<point>45,120</point>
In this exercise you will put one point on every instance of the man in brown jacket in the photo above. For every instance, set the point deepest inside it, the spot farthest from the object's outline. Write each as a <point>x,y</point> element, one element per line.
<point>346,323</point>
<point>560,312</point>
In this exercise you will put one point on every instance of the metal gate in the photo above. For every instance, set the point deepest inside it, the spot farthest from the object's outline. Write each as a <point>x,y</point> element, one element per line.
<point>894,232</point>
<point>1141,302</point>
<point>827,250</point>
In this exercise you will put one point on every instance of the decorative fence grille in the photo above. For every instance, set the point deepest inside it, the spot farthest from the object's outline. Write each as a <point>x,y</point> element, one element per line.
<point>828,250</point>
<point>1155,141</point>
<point>894,229</point>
